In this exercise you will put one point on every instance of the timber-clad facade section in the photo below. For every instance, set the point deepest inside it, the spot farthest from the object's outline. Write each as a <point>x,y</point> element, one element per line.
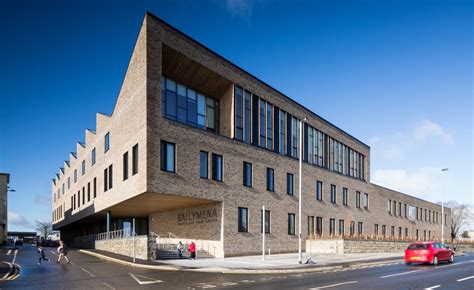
<point>196,146</point>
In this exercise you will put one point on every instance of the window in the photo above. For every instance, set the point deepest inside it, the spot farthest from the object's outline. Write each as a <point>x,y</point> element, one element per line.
<point>319,190</point>
<point>216,167</point>
<point>352,228</point>
<point>68,183</point>
<point>110,176</point>
<point>406,232</point>
<point>289,183</point>
<point>106,179</point>
<point>247,117</point>
<point>366,200</point>
<point>406,210</point>
<point>392,231</point>
<point>95,187</point>
<point>63,188</point>
<point>135,159</point>
<point>93,157</point>
<point>282,127</point>
<point>78,198</point>
<point>295,137</point>
<point>125,166</point>
<point>333,193</point>
<point>310,226</point>
<point>262,126</point>
<point>203,168</point>
<point>239,120</point>
<point>247,174</point>
<point>389,207</point>
<point>344,196</point>
<point>359,228</point>
<point>88,191</point>
<point>270,179</point>
<point>319,226</point>
<point>341,227</point>
<point>399,232</point>
<point>168,156</point>
<point>269,126</point>
<point>106,142</point>
<point>332,226</point>
<point>291,223</point>
<point>83,195</point>
<point>187,106</point>
<point>243,219</point>
<point>384,230</point>
<point>267,221</point>
<point>417,235</point>
<point>75,175</point>
<point>376,230</point>
<point>358,199</point>
<point>83,167</point>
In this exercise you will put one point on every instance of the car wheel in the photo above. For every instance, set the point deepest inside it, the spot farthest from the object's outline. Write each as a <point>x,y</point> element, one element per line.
<point>451,259</point>
<point>435,260</point>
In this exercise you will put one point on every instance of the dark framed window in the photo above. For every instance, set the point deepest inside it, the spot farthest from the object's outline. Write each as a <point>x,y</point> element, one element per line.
<point>267,221</point>
<point>270,179</point>
<point>217,164</point>
<point>106,179</point>
<point>310,225</point>
<point>399,232</point>
<point>203,168</point>
<point>289,183</point>
<point>83,195</point>
<point>78,198</point>
<point>106,142</point>
<point>93,157</point>
<point>319,190</point>
<point>332,227</point>
<point>88,191</point>
<point>359,228</point>
<point>75,175</point>
<point>384,231</point>
<point>406,232</point>
<point>247,176</point>
<point>358,199</point>
<point>345,197</point>
<point>376,229</point>
<point>352,228</point>
<point>243,219</point>
<point>291,223</point>
<point>366,200</point>
<point>125,166</point>
<point>168,156</point>
<point>341,227</point>
<point>319,226</point>
<point>68,182</point>
<point>247,117</point>
<point>135,159</point>
<point>333,193</point>
<point>83,167</point>
<point>110,176</point>
<point>95,187</point>
<point>392,231</point>
<point>239,120</point>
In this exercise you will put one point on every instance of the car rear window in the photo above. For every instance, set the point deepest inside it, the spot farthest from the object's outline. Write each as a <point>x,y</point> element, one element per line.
<point>418,246</point>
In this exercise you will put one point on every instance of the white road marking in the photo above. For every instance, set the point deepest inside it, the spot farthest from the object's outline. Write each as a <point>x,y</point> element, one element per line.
<point>14,257</point>
<point>89,273</point>
<point>109,286</point>
<point>8,253</point>
<point>247,281</point>
<point>464,279</point>
<point>333,285</point>
<point>151,280</point>
<point>433,287</point>
<point>6,274</point>
<point>228,284</point>
<point>399,274</point>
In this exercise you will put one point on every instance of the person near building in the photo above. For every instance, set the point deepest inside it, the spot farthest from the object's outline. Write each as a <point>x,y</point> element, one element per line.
<point>180,249</point>
<point>192,251</point>
<point>62,250</point>
<point>42,255</point>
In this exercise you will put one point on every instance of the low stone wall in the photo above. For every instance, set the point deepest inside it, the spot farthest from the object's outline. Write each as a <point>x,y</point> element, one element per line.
<point>125,246</point>
<point>340,246</point>
<point>325,246</point>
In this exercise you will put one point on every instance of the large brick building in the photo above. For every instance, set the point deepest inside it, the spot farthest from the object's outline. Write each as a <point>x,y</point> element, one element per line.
<point>196,146</point>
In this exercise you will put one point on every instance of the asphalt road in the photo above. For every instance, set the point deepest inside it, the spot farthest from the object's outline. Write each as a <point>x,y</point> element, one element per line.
<point>86,272</point>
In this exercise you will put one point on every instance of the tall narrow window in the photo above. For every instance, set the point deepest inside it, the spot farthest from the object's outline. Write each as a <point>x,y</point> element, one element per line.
<point>269,126</point>
<point>291,223</point>
<point>243,219</point>
<point>270,179</point>
<point>247,117</point>
<point>83,195</point>
<point>75,175</point>
<point>376,230</point>
<point>267,221</point>
<point>358,199</point>
<point>366,200</point>
<point>83,167</point>
<point>352,228</point>
<point>345,197</point>
<point>262,120</point>
<point>333,193</point>
<point>135,159</point>
<point>95,187</point>
<point>239,120</point>
<point>88,191</point>
<point>93,157</point>
<point>359,228</point>
<point>247,174</point>
<point>384,231</point>
<point>289,183</point>
<point>341,227</point>
<point>106,179</point>
<point>319,226</point>
<point>319,190</point>
<point>78,198</point>
<point>217,167</point>
<point>68,183</point>
<point>125,166</point>
<point>168,156</point>
<point>282,133</point>
<point>106,142</point>
<point>110,176</point>
<point>332,227</point>
<point>310,226</point>
<point>203,168</point>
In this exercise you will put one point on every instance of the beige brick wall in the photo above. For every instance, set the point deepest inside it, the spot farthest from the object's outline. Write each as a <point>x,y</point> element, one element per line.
<point>125,246</point>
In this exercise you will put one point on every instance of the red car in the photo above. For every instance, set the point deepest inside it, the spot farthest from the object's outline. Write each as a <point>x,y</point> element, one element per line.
<point>428,252</point>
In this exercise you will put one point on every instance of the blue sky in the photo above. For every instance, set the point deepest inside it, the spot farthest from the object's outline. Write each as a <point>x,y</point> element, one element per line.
<point>395,74</point>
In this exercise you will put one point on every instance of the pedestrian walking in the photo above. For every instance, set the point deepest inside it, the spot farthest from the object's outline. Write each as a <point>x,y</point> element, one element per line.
<point>180,249</point>
<point>62,250</point>
<point>192,251</point>
<point>42,255</point>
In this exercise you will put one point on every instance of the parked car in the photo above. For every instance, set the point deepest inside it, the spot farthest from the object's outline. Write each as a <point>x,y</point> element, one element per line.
<point>428,252</point>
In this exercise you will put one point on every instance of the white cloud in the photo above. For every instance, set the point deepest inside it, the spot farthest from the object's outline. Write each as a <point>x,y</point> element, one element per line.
<point>427,129</point>
<point>42,199</point>
<point>16,219</point>
<point>423,183</point>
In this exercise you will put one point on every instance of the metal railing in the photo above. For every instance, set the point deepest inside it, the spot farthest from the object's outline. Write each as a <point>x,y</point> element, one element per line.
<point>118,234</point>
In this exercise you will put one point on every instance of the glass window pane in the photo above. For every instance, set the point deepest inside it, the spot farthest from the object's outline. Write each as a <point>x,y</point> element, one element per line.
<point>170,157</point>
<point>170,85</point>
<point>203,164</point>
<point>170,104</point>
<point>192,112</point>
<point>191,94</point>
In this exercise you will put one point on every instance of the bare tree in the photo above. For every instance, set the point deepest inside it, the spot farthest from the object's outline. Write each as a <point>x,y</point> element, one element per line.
<point>460,215</point>
<point>465,235</point>
<point>44,228</point>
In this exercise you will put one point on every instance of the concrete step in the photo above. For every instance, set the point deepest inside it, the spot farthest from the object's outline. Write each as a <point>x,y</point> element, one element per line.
<point>173,255</point>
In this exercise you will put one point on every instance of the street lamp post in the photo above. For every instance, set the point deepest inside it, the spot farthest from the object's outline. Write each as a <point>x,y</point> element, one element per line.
<point>299,191</point>
<point>442,204</point>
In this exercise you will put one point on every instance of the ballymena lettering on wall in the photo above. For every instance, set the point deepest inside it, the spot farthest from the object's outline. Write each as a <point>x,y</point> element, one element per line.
<point>204,216</point>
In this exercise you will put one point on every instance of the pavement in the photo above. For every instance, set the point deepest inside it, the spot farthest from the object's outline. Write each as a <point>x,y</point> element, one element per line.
<point>89,272</point>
